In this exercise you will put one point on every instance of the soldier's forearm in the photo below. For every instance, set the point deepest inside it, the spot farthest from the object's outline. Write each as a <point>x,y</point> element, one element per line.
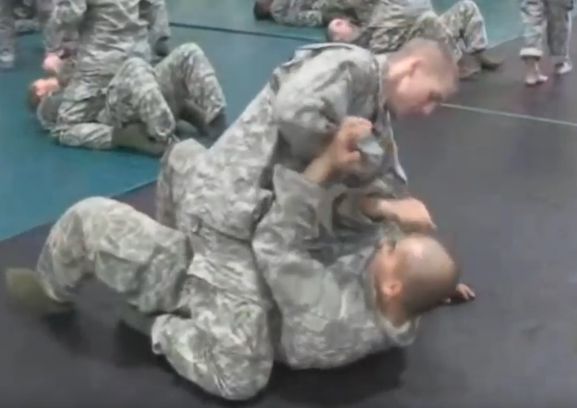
<point>319,170</point>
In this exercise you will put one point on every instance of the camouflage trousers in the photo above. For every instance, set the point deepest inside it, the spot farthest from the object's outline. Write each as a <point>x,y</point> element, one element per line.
<point>547,20</point>
<point>13,21</point>
<point>186,76</point>
<point>462,28</point>
<point>226,348</point>
<point>88,115</point>
<point>139,93</point>
<point>26,25</point>
<point>7,29</point>
<point>134,96</point>
<point>211,320</point>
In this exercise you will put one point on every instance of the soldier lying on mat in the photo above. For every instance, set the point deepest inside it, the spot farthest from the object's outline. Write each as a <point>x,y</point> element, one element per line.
<point>310,13</point>
<point>144,103</point>
<point>339,300</point>
<point>394,22</point>
<point>283,241</point>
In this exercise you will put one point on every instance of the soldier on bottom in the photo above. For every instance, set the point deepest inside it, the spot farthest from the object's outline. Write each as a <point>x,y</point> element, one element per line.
<point>143,104</point>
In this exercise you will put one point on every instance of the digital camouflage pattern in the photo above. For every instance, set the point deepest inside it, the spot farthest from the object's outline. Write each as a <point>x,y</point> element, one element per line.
<point>226,304</point>
<point>547,22</point>
<point>153,96</point>
<point>395,22</point>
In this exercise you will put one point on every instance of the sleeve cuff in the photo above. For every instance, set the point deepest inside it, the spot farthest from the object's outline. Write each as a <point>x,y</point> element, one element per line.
<point>289,183</point>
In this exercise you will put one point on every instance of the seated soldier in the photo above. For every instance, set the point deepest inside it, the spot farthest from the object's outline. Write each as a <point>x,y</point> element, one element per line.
<point>310,13</point>
<point>394,22</point>
<point>308,306</point>
<point>143,103</point>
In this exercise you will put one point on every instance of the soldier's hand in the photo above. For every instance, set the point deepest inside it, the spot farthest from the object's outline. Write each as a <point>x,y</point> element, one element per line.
<point>342,152</point>
<point>463,293</point>
<point>410,213</point>
<point>52,64</point>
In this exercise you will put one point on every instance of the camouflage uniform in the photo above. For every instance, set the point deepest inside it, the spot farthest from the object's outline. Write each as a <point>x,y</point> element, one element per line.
<point>187,76</point>
<point>7,33</point>
<point>155,13</point>
<point>24,17</point>
<point>549,19</point>
<point>153,96</point>
<point>395,22</point>
<point>364,9</point>
<point>15,17</point>
<point>250,294</point>
<point>311,13</point>
<point>63,40</point>
<point>112,31</point>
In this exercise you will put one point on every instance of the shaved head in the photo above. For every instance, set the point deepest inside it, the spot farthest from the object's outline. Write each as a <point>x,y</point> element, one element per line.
<point>427,271</point>
<point>419,77</point>
<point>436,58</point>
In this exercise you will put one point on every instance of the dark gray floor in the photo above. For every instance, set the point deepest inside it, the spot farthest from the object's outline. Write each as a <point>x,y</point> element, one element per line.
<point>503,191</point>
<point>555,100</point>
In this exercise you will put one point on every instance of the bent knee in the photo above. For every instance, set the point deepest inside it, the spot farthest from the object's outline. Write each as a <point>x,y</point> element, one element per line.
<point>183,154</point>
<point>469,5</point>
<point>189,50</point>
<point>244,385</point>
<point>93,205</point>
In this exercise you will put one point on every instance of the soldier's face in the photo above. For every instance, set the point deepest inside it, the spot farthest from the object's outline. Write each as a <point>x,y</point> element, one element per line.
<point>46,86</point>
<point>417,92</point>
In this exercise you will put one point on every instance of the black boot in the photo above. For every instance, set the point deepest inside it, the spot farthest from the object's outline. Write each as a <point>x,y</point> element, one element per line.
<point>488,62</point>
<point>135,137</point>
<point>25,289</point>
<point>217,127</point>
<point>136,320</point>
<point>469,67</point>
<point>184,130</point>
<point>162,48</point>
<point>192,114</point>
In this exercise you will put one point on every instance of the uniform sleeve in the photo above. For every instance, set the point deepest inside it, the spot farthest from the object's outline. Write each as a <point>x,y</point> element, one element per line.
<point>289,12</point>
<point>312,102</point>
<point>316,307</point>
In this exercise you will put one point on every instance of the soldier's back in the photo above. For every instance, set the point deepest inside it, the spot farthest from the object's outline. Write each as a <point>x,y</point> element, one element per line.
<point>111,31</point>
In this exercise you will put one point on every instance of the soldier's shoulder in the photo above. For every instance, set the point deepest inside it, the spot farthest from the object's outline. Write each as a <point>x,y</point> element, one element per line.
<point>343,51</point>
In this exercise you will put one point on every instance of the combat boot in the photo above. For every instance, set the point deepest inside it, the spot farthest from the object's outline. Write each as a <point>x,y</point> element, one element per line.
<point>469,67</point>
<point>135,137</point>
<point>25,289</point>
<point>488,62</point>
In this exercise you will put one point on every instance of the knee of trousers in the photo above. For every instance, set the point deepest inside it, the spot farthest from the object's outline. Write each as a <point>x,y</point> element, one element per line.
<point>90,206</point>
<point>189,50</point>
<point>469,5</point>
<point>245,385</point>
<point>181,155</point>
